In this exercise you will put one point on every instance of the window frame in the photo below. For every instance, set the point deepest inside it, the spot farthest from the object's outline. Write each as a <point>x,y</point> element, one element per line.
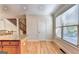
<point>62,28</point>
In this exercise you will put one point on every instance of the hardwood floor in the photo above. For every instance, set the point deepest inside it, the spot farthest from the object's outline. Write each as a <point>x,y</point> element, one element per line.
<point>39,47</point>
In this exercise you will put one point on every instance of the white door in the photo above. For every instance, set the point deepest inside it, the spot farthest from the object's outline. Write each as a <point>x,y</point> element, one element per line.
<point>42,29</point>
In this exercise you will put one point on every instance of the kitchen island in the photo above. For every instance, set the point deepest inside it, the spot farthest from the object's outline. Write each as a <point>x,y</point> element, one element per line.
<point>10,46</point>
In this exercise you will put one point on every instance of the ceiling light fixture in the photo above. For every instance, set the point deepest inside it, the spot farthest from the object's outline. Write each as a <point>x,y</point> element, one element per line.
<point>24,8</point>
<point>5,8</point>
<point>40,7</point>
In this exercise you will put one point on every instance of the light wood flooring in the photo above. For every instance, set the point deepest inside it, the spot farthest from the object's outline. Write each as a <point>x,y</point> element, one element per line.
<point>39,47</point>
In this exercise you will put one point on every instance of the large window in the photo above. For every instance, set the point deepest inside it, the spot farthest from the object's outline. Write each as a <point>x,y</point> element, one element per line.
<point>59,21</point>
<point>58,26</point>
<point>58,32</point>
<point>70,17</point>
<point>68,24</point>
<point>70,34</point>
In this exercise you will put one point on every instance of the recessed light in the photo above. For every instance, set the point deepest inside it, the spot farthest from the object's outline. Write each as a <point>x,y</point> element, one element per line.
<point>24,8</point>
<point>5,8</point>
<point>41,8</point>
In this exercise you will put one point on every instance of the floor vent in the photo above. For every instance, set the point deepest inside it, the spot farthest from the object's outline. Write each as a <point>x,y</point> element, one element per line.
<point>63,51</point>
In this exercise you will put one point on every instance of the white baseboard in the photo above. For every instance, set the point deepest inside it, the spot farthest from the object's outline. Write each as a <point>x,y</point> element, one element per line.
<point>39,39</point>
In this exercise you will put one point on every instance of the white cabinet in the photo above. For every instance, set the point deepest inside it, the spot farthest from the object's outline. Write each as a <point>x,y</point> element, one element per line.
<point>39,27</point>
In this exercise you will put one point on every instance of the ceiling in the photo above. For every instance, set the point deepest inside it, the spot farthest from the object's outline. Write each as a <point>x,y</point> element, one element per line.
<point>28,9</point>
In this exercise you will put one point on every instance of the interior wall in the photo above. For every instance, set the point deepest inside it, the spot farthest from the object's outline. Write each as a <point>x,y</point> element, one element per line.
<point>9,27</point>
<point>32,26</point>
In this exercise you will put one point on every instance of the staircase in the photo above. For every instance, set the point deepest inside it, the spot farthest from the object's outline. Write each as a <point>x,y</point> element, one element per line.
<point>22,23</point>
<point>22,27</point>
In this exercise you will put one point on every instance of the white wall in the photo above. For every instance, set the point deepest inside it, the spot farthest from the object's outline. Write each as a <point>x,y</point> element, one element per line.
<point>10,27</point>
<point>32,26</point>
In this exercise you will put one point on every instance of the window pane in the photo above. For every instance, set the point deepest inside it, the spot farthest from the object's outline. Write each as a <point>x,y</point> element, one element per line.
<point>70,34</point>
<point>58,32</point>
<point>58,21</point>
<point>70,17</point>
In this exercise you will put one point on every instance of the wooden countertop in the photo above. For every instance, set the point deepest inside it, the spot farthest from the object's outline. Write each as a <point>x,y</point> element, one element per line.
<point>13,39</point>
<point>68,48</point>
<point>9,39</point>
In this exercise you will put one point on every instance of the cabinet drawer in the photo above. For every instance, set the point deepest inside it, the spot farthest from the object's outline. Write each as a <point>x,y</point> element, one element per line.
<point>0,43</point>
<point>14,43</point>
<point>0,48</point>
<point>5,43</point>
<point>10,49</point>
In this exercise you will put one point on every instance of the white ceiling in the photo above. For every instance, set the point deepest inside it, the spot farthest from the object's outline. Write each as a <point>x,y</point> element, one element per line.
<point>28,9</point>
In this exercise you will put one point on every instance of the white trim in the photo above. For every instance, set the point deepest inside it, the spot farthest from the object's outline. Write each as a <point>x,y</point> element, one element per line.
<point>18,30</point>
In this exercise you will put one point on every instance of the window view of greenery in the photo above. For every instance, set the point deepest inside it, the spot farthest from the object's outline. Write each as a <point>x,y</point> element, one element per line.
<point>69,25</point>
<point>70,34</point>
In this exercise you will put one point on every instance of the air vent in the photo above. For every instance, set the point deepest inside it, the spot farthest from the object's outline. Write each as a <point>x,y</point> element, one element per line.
<point>62,51</point>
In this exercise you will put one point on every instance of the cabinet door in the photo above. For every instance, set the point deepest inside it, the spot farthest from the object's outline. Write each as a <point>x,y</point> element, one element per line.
<point>0,48</point>
<point>10,49</point>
